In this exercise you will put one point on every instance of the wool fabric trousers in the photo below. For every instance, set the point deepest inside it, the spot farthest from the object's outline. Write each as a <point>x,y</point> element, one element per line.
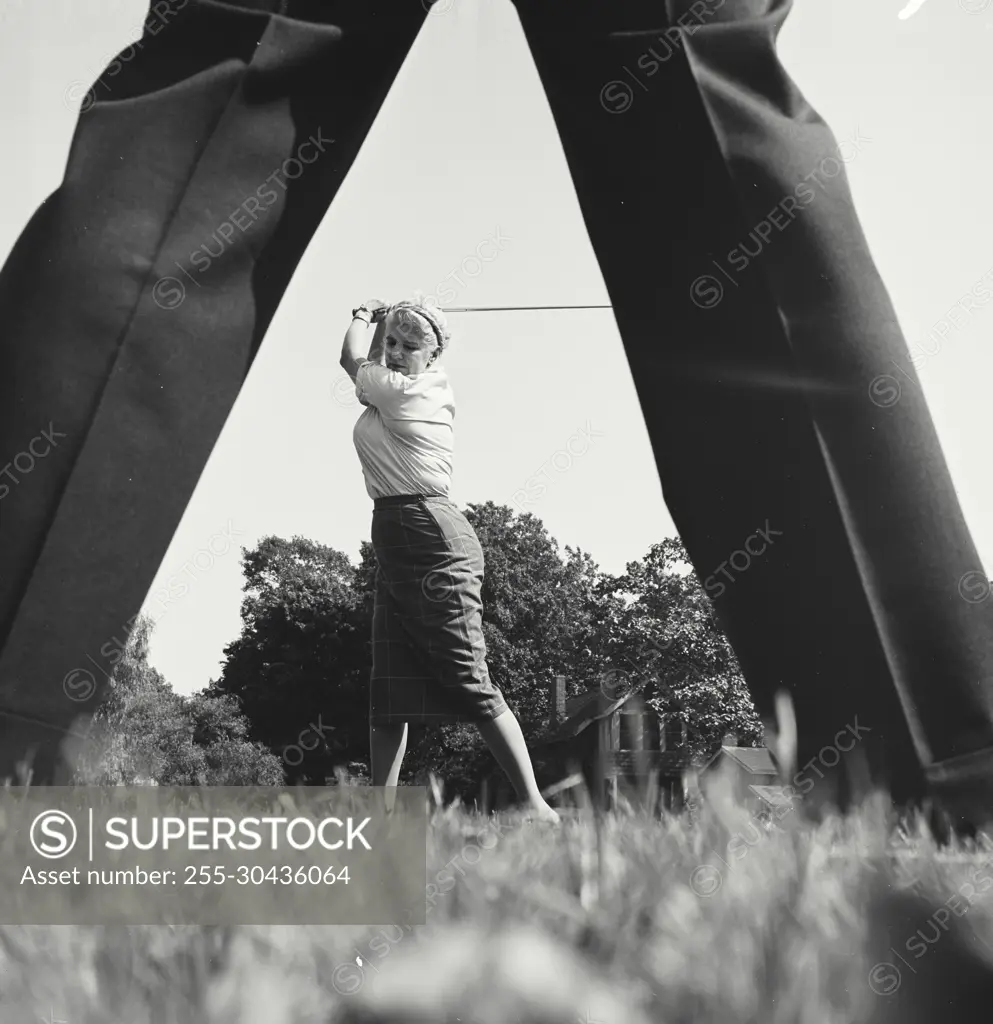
<point>817,509</point>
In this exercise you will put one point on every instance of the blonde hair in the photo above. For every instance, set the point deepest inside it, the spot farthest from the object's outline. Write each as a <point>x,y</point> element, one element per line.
<point>427,317</point>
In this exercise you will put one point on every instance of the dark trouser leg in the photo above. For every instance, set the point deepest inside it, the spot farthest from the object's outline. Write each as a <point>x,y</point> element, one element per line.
<point>818,512</point>
<point>136,299</point>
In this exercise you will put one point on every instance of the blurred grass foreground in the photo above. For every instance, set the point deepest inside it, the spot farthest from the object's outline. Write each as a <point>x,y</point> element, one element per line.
<point>618,919</point>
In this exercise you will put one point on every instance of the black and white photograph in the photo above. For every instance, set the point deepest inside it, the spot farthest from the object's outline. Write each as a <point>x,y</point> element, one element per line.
<point>496,513</point>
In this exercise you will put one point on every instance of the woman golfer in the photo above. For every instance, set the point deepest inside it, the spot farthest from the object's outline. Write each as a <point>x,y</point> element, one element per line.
<point>428,652</point>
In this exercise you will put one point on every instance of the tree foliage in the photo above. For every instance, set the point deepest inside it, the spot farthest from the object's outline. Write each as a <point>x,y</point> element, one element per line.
<point>144,732</point>
<point>664,637</point>
<point>300,666</point>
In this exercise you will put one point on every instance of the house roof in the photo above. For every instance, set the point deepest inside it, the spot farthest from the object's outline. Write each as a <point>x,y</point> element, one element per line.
<point>755,760</point>
<point>774,796</point>
<point>580,702</point>
<point>581,710</point>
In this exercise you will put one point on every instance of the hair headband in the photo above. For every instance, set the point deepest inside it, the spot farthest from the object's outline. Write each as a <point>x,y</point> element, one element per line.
<point>420,311</point>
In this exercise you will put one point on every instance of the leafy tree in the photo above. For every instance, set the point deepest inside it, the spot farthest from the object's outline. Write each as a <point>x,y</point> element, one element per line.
<point>665,637</point>
<point>300,667</point>
<point>220,730</point>
<point>539,607</point>
<point>144,732</point>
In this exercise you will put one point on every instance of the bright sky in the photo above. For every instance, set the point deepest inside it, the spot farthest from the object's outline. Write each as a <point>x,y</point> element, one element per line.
<point>914,77</point>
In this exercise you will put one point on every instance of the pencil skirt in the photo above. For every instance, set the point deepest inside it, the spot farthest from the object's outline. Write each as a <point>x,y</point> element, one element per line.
<point>428,651</point>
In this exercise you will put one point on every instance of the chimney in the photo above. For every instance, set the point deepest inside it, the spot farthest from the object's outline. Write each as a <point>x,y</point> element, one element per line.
<point>556,699</point>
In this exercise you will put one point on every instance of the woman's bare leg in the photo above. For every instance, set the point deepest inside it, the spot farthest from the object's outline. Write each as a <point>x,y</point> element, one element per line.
<point>506,741</point>
<point>387,745</point>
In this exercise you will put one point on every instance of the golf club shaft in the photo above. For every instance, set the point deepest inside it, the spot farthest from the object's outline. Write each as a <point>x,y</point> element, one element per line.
<point>493,309</point>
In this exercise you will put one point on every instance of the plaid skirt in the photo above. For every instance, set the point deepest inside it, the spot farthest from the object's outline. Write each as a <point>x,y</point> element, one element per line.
<point>428,651</point>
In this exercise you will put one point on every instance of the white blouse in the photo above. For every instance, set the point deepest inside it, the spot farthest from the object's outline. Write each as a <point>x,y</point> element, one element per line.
<point>405,439</point>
